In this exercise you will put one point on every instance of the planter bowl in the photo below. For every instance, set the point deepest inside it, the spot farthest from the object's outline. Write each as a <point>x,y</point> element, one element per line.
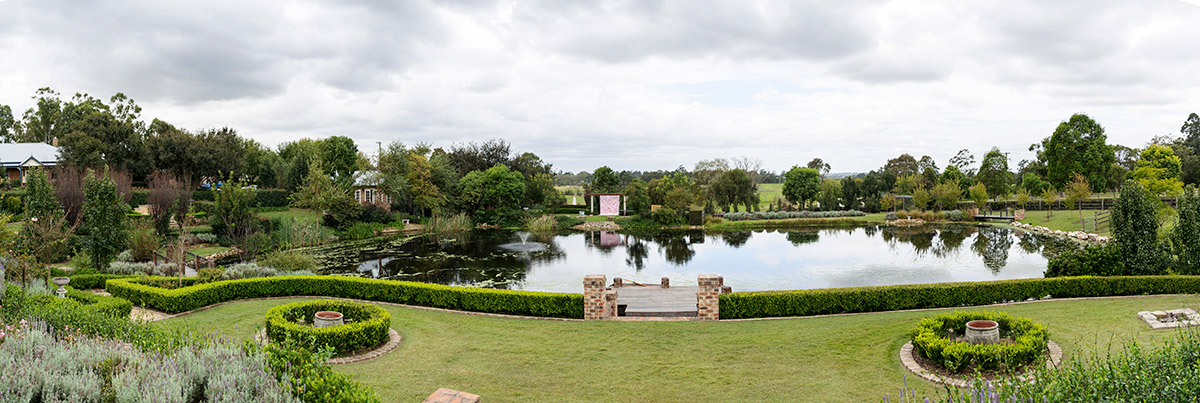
<point>983,332</point>
<point>60,281</point>
<point>327,319</point>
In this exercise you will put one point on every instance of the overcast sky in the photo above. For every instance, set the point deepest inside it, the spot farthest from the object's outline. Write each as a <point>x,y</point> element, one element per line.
<point>635,84</point>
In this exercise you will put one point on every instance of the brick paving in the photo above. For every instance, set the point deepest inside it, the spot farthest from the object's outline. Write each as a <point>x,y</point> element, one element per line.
<point>444,395</point>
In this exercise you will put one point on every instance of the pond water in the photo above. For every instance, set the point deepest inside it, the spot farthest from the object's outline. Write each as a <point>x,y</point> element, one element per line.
<point>749,260</point>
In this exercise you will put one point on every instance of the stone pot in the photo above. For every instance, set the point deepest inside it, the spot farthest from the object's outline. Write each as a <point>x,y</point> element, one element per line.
<point>60,282</point>
<point>327,319</point>
<point>983,332</point>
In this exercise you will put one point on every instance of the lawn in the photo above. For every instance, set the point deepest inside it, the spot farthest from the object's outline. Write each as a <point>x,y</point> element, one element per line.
<point>838,358</point>
<point>208,250</point>
<point>767,193</point>
<point>298,213</point>
<point>1065,220</point>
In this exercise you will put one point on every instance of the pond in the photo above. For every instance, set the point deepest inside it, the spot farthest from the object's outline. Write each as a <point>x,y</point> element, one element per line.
<point>749,260</point>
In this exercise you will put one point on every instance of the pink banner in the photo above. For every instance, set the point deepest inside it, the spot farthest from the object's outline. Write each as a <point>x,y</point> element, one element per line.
<point>610,205</point>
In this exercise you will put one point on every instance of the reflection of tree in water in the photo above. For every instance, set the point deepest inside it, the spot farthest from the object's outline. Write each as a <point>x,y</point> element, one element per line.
<point>993,244</point>
<point>798,238</point>
<point>952,237</point>
<point>675,246</point>
<point>1052,246</point>
<point>593,239</point>
<point>921,238</point>
<point>736,238</point>
<point>637,251</point>
<point>870,231</point>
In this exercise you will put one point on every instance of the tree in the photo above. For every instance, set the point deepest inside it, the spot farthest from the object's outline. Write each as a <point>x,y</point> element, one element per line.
<point>1135,231</point>
<point>921,198</point>
<point>1049,196</point>
<point>927,162</point>
<point>479,156</point>
<point>963,161</point>
<point>10,128</point>
<point>1022,197</point>
<point>735,187</point>
<point>820,165</point>
<point>901,166</point>
<point>801,185</point>
<point>39,195</point>
<point>946,194</point>
<point>232,217</point>
<point>994,173</point>
<point>1077,191</point>
<point>493,196</point>
<point>339,156</point>
<point>888,202</point>
<point>637,199</point>
<point>752,166</point>
<point>1158,171</point>
<point>104,219</point>
<point>1033,183</point>
<point>852,192</point>
<point>420,179</point>
<point>1186,232</point>
<point>830,195</point>
<point>979,194</point>
<point>604,180</point>
<point>170,197</point>
<point>319,192</point>
<point>1078,146</point>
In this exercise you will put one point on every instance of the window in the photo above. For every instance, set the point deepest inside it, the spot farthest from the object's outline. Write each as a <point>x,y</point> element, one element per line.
<point>358,195</point>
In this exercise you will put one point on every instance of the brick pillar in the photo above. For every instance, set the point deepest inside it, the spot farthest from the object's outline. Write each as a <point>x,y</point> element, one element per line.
<point>593,296</point>
<point>707,297</point>
<point>610,304</point>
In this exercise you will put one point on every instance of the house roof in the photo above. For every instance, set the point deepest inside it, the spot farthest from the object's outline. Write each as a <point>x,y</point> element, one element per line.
<point>367,178</point>
<point>15,154</point>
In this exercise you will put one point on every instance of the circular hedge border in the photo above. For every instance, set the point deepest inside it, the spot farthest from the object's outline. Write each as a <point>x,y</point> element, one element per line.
<point>930,340</point>
<point>366,324</point>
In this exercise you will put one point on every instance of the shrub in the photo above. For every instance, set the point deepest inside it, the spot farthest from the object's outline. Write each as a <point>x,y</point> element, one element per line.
<point>142,243</point>
<point>290,260</point>
<point>761,304</point>
<point>184,299</point>
<point>247,270</point>
<point>306,375</point>
<point>891,216</point>
<point>956,215</point>
<point>206,207</point>
<point>363,230</point>
<point>932,338</point>
<point>145,268</point>
<point>295,233</point>
<point>91,281</point>
<point>271,198</point>
<point>1094,260</point>
<point>208,275</point>
<point>668,217</point>
<point>443,224</point>
<point>567,221</point>
<point>375,214</point>
<point>206,238</point>
<point>1106,374</point>
<point>366,325</point>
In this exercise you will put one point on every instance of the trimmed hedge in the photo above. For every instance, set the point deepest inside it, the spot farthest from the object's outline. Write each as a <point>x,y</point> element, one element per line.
<point>544,304</point>
<point>270,198</point>
<point>111,306</point>
<point>931,340</point>
<point>366,326</point>
<point>762,304</point>
<point>92,281</point>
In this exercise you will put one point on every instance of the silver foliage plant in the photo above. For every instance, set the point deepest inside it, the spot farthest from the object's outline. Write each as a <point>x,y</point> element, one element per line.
<point>35,365</point>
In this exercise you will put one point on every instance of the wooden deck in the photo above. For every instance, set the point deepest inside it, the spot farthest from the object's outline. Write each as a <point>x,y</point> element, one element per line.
<point>654,301</point>
<point>994,217</point>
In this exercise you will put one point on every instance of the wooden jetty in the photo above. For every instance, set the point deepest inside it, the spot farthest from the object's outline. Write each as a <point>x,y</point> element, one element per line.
<point>983,217</point>
<point>655,301</point>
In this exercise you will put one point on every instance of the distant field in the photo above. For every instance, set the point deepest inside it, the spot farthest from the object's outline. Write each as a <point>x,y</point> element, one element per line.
<point>767,193</point>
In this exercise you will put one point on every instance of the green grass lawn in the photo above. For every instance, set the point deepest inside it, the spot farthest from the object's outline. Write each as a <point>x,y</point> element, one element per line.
<point>767,193</point>
<point>1065,220</point>
<point>208,250</point>
<point>843,358</point>
<point>299,213</point>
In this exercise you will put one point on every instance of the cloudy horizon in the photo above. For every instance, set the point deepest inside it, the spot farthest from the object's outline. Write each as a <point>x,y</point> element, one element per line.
<point>636,85</point>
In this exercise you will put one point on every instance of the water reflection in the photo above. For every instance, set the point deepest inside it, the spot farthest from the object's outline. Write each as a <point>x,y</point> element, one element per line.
<point>749,260</point>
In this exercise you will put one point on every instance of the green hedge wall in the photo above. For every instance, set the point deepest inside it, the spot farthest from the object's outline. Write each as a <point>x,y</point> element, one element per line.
<point>270,198</point>
<point>92,281</point>
<point>366,325</point>
<point>762,304</point>
<point>111,306</point>
<point>544,304</point>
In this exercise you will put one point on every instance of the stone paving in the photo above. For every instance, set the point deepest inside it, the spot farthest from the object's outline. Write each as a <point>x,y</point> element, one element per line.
<point>1175,318</point>
<point>909,361</point>
<point>444,395</point>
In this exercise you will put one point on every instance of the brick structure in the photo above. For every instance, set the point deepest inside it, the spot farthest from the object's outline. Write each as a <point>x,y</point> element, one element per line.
<point>708,296</point>
<point>594,300</point>
<point>444,395</point>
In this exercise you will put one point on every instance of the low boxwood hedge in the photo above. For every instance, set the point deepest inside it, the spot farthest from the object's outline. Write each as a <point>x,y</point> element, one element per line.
<point>193,296</point>
<point>931,338</point>
<point>366,326</point>
<point>92,281</point>
<point>111,306</point>
<point>762,304</point>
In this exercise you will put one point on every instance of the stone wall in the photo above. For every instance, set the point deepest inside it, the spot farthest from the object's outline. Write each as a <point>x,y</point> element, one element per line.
<point>599,302</point>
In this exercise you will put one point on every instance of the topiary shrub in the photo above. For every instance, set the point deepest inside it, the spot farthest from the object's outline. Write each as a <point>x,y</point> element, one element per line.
<point>936,339</point>
<point>366,325</point>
